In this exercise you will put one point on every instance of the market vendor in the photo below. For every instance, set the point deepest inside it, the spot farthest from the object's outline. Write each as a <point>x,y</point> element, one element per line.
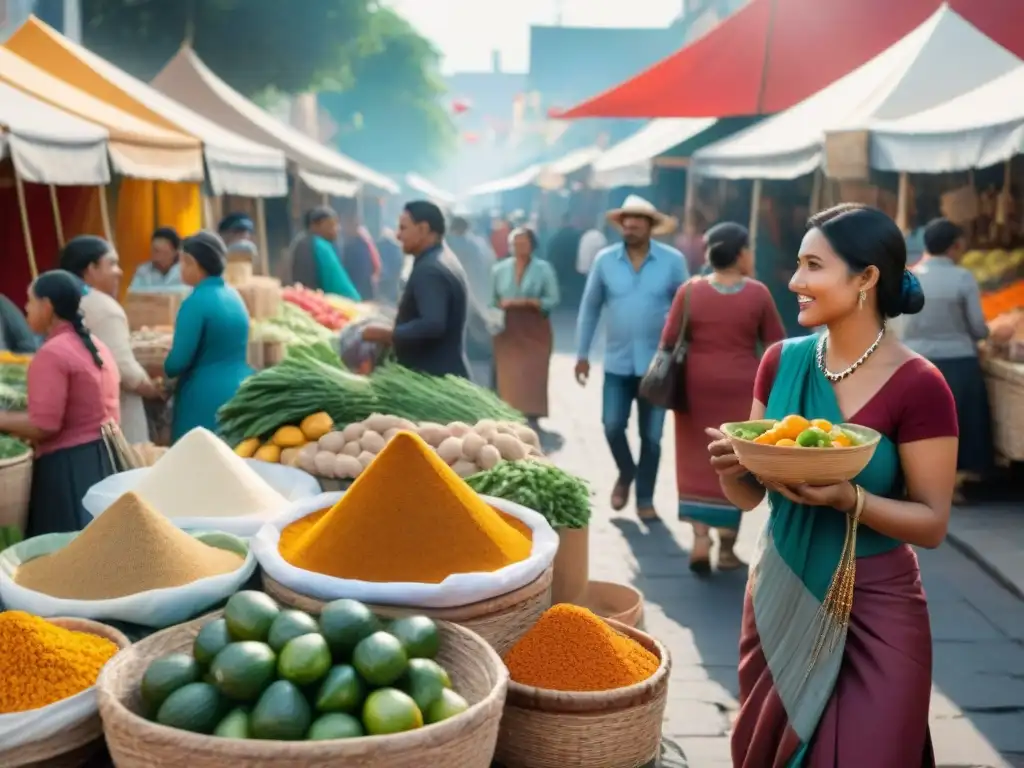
<point>162,271</point>
<point>94,261</point>
<point>211,337</point>
<point>73,388</point>
<point>235,227</point>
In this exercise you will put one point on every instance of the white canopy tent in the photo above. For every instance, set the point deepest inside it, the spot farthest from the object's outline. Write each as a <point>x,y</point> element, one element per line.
<point>975,130</point>
<point>630,163</point>
<point>49,146</point>
<point>943,58</point>
<point>431,191</point>
<point>553,175</point>
<point>518,180</point>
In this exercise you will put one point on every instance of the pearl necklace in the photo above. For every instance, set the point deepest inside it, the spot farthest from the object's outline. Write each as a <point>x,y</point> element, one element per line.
<point>835,377</point>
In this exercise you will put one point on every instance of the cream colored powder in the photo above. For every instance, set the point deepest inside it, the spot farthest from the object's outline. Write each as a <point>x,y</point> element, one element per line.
<point>201,477</point>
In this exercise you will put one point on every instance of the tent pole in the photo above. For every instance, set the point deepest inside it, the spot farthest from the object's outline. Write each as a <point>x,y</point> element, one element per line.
<point>108,230</point>
<point>58,224</point>
<point>755,219</point>
<point>26,230</point>
<point>690,201</point>
<point>261,234</point>
<point>816,184</point>
<point>902,202</point>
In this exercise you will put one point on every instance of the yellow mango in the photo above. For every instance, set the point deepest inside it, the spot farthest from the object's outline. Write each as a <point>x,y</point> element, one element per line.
<point>247,447</point>
<point>316,425</point>
<point>288,437</point>
<point>268,452</point>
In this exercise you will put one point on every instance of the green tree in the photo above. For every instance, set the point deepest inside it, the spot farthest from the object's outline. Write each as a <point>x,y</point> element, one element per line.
<point>255,45</point>
<point>391,117</point>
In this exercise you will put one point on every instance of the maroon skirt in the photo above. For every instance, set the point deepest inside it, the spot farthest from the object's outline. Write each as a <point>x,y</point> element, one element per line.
<point>878,713</point>
<point>522,357</point>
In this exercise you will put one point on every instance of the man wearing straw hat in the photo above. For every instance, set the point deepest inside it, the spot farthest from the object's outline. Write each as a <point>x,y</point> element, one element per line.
<point>634,283</point>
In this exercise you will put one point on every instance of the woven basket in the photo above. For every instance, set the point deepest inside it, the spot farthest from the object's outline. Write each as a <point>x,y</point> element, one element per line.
<point>74,746</point>
<point>815,466</point>
<point>501,621</point>
<point>15,490</point>
<point>607,729</point>
<point>1006,398</point>
<point>618,602</point>
<point>465,741</point>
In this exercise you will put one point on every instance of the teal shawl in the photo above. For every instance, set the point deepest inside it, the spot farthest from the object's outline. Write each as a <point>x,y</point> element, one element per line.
<point>800,550</point>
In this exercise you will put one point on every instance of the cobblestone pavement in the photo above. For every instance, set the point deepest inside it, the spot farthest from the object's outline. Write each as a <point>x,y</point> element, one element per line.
<point>977,714</point>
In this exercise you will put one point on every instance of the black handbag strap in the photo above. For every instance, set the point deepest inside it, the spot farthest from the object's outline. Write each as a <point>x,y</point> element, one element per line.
<point>681,340</point>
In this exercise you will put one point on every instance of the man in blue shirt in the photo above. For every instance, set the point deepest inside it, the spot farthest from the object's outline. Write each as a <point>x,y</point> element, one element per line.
<point>634,282</point>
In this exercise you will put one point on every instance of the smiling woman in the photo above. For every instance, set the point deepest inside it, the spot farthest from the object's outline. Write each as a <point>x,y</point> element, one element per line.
<point>837,559</point>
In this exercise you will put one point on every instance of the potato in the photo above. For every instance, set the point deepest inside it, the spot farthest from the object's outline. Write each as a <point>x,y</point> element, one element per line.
<point>352,449</point>
<point>324,463</point>
<point>365,458</point>
<point>488,457</point>
<point>485,425</point>
<point>289,456</point>
<point>405,424</point>
<point>450,450</point>
<point>510,447</point>
<point>487,433</point>
<point>507,428</point>
<point>372,441</point>
<point>471,445</point>
<point>527,435</point>
<point>333,442</point>
<point>464,468</point>
<point>310,449</point>
<point>381,423</point>
<point>433,434</point>
<point>347,467</point>
<point>459,428</point>
<point>307,461</point>
<point>354,431</point>
<point>391,433</point>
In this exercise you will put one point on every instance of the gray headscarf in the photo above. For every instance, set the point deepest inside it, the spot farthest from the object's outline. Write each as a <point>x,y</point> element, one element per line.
<point>209,251</point>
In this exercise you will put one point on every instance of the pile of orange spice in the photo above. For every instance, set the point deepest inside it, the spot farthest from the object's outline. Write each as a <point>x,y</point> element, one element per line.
<point>407,518</point>
<point>573,649</point>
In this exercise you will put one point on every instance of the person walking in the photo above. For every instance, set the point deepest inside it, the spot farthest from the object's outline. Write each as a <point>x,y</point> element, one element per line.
<point>525,289</point>
<point>947,333</point>
<point>835,652</point>
<point>727,318</point>
<point>429,334</point>
<point>634,283</point>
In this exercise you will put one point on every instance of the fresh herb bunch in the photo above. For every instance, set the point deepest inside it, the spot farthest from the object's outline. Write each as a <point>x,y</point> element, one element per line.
<point>562,498</point>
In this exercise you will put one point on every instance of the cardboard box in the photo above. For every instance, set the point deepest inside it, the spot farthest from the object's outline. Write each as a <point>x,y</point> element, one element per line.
<point>146,310</point>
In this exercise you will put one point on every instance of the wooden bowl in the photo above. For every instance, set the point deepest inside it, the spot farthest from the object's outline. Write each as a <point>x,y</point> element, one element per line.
<point>792,465</point>
<point>618,602</point>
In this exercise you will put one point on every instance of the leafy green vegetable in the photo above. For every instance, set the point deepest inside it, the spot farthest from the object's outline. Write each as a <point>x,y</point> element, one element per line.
<point>421,397</point>
<point>11,447</point>
<point>562,498</point>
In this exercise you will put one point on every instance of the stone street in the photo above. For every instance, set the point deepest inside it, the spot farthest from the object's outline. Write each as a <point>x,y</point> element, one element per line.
<point>977,713</point>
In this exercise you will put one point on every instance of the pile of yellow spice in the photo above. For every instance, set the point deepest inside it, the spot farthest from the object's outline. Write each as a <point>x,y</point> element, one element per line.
<point>41,663</point>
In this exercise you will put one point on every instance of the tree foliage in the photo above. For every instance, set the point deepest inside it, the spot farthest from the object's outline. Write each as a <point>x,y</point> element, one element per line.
<point>392,116</point>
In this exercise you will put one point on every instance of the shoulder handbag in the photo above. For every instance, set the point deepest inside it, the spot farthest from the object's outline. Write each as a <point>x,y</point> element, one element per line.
<point>664,384</point>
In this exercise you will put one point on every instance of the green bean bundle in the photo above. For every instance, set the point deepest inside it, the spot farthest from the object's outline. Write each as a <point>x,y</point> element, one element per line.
<point>441,399</point>
<point>562,498</point>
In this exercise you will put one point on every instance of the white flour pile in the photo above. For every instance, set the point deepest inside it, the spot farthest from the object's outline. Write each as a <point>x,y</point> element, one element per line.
<point>201,477</point>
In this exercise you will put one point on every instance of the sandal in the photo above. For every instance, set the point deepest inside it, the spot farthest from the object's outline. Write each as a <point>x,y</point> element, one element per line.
<point>620,495</point>
<point>727,560</point>
<point>700,555</point>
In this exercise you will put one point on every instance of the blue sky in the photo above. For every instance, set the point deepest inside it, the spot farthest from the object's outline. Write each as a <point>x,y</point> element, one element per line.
<point>466,31</point>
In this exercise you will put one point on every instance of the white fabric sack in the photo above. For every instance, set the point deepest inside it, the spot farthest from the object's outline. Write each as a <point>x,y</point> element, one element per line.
<point>156,608</point>
<point>290,482</point>
<point>22,728</point>
<point>458,589</point>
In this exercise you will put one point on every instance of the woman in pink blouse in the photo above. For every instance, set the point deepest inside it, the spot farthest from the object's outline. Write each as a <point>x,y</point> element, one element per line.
<point>73,391</point>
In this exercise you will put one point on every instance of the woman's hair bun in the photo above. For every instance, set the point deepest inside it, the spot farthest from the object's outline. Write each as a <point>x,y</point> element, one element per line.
<point>911,294</point>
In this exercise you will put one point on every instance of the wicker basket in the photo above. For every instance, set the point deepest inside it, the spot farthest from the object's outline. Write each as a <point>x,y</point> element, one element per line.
<point>611,729</point>
<point>814,466</point>
<point>619,602</point>
<point>501,621</point>
<point>15,490</point>
<point>1006,398</point>
<point>76,745</point>
<point>466,741</point>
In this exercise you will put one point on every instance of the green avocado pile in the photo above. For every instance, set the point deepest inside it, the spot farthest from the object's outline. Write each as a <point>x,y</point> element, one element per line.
<point>261,672</point>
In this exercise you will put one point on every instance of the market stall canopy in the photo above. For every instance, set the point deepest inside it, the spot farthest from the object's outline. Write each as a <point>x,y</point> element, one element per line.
<point>137,148</point>
<point>915,74</point>
<point>234,165</point>
<point>523,178</point>
<point>975,130</point>
<point>187,79</point>
<point>48,146</point>
<point>772,54</point>
<point>427,188</point>
<point>630,163</point>
<point>553,175</point>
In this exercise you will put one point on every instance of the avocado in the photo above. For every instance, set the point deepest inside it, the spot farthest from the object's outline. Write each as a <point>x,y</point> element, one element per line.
<point>196,707</point>
<point>281,714</point>
<point>243,670</point>
<point>249,615</point>
<point>166,675</point>
<point>287,626</point>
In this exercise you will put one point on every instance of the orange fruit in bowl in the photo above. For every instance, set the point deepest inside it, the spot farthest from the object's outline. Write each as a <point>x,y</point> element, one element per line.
<point>770,437</point>
<point>823,424</point>
<point>792,426</point>
<point>841,441</point>
<point>785,443</point>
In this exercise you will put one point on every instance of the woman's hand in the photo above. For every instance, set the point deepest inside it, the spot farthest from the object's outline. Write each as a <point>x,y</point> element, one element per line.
<point>841,496</point>
<point>723,458</point>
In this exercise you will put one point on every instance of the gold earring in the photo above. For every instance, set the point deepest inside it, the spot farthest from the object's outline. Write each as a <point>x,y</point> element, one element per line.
<point>862,298</point>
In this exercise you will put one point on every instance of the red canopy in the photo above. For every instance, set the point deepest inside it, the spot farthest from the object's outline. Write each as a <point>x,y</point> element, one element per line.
<point>773,54</point>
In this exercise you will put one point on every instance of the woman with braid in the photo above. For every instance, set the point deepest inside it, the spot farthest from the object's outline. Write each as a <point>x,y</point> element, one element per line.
<point>73,393</point>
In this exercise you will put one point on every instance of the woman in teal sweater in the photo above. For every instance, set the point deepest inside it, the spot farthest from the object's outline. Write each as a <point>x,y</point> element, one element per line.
<point>211,338</point>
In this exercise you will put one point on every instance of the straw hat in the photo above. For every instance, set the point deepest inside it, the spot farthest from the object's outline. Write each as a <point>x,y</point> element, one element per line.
<point>663,224</point>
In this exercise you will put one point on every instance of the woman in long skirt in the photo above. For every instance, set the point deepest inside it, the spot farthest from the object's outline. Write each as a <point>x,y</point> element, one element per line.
<point>835,650</point>
<point>729,318</point>
<point>526,289</point>
<point>73,399</point>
